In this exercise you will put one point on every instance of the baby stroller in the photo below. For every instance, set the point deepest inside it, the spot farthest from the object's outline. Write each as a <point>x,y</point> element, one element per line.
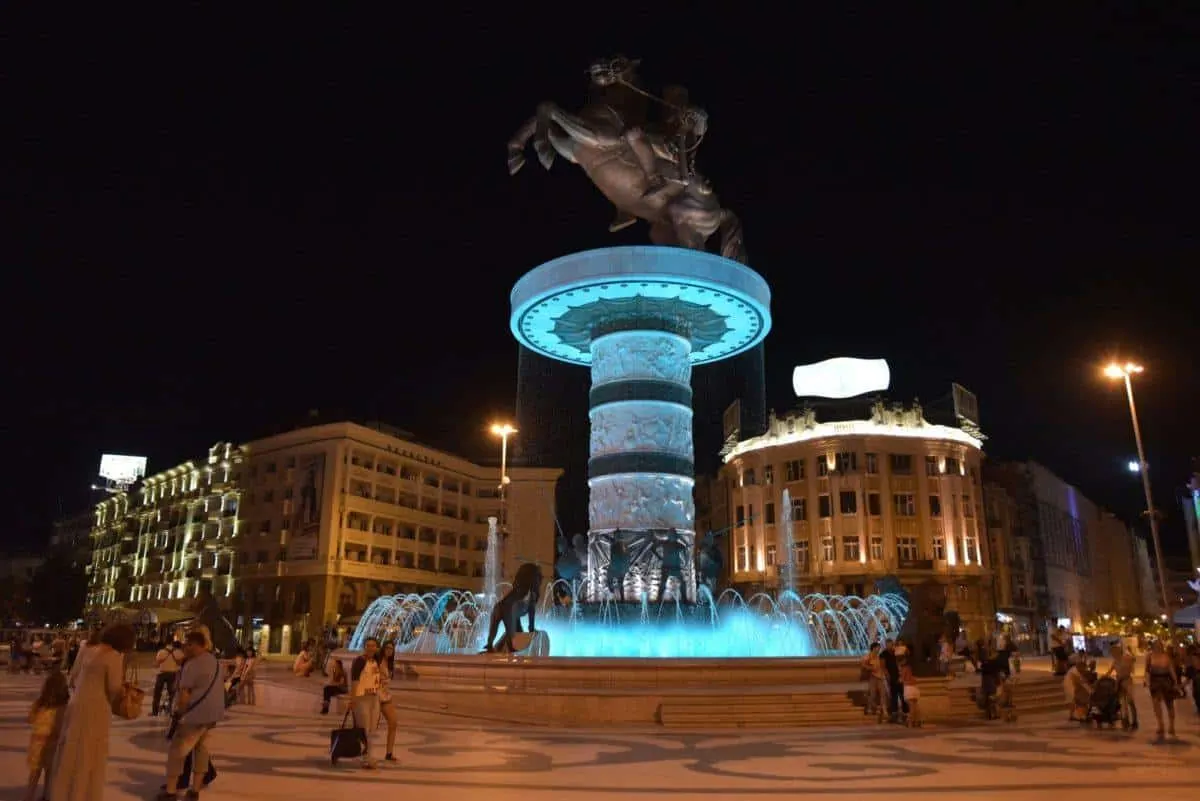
<point>1001,705</point>
<point>1104,706</point>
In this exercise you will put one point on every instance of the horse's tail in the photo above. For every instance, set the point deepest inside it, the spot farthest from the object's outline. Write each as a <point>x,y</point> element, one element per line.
<point>516,145</point>
<point>733,246</point>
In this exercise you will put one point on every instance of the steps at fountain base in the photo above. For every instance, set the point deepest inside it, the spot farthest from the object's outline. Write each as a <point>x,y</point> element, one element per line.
<point>760,711</point>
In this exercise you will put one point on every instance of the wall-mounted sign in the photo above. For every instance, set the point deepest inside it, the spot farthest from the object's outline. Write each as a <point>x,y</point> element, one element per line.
<point>843,377</point>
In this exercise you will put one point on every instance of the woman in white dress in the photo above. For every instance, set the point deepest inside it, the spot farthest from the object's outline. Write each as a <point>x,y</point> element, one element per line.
<point>98,680</point>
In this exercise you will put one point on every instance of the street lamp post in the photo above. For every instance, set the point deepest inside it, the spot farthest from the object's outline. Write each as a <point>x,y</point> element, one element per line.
<point>503,431</point>
<point>1126,372</point>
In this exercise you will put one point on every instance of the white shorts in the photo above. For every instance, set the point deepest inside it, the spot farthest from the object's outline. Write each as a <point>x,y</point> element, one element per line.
<point>911,693</point>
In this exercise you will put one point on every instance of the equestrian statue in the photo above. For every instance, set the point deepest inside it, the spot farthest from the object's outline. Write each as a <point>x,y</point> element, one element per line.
<point>645,166</point>
<point>521,600</point>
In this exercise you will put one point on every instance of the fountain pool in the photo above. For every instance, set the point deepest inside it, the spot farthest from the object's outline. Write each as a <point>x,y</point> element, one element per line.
<point>728,626</point>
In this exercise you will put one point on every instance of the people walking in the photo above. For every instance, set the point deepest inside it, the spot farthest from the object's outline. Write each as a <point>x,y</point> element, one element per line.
<point>199,707</point>
<point>45,719</point>
<point>167,660</point>
<point>1123,664</point>
<point>364,672</point>
<point>1163,681</point>
<point>387,667</point>
<point>81,757</point>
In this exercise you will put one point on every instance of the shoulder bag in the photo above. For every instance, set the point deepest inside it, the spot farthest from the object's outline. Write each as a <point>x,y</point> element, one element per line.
<point>175,718</point>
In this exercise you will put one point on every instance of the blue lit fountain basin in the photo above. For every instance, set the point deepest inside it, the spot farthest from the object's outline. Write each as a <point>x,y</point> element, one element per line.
<point>628,663</point>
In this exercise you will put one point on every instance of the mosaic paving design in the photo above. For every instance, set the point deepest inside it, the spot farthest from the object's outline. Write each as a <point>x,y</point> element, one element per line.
<point>262,755</point>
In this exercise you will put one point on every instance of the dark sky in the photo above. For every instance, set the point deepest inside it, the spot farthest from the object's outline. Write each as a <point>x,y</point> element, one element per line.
<point>215,222</point>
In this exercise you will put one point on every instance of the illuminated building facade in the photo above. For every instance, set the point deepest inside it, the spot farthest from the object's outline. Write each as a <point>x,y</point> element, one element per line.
<point>334,516</point>
<point>158,543</point>
<point>1077,559</point>
<point>889,494</point>
<point>298,532</point>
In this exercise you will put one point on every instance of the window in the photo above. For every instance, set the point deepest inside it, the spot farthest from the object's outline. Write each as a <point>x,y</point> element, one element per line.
<point>935,505</point>
<point>874,508</point>
<point>906,548</point>
<point>876,549</point>
<point>848,501</point>
<point>905,504</point>
<point>827,549</point>
<point>748,477</point>
<point>753,558</point>
<point>770,555</point>
<point>931,466</point>
<point>971,550</point>
<point>968,507</point>
<point>750,516</point>
<point>740,516</point>
<point>939,548</point>
<point>847,462</point>
<point>799,509</point>
<point>270,467</point>
<point>793,470</point>
<point>268,496</point>
<point>801,552</point>
<point>952,466</point>
<point>872,463</point>
<point>901,464</point>
<point>822,465</point>
<point>743,559</point>
<point>769,475</point>
<point>769,512</point>
<point>850,551</point>
<point>824,507</point>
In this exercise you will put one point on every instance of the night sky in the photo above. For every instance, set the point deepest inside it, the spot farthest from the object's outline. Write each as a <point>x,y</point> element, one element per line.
<point>213,223</point>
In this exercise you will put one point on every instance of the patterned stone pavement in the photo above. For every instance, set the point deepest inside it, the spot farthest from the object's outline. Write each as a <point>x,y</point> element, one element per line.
<point>268,756</point>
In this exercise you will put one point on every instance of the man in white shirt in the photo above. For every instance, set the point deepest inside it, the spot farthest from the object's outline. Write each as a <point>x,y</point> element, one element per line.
<point>167,660</point>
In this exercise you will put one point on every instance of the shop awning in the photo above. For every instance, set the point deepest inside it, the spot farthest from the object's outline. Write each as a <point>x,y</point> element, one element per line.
<point>163,616</point>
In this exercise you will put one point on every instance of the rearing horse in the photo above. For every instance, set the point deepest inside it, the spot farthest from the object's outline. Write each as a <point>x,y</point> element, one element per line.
<point>637,171</point>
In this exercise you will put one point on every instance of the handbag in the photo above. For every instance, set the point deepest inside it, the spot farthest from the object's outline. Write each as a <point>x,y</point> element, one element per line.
<point>347,742</point>
<point>128,703</point>
<point>175,718</point>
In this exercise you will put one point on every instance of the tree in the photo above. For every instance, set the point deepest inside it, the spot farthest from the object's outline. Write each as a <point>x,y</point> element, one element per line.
<point>57,591</point>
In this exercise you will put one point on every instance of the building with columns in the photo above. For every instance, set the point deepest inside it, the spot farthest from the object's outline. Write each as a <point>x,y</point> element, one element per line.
<point>297,533</point>
<point>335,516</point>
<point>884,493</point>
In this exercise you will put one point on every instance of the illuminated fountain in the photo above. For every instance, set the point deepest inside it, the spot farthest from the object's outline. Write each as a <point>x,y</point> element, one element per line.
<point>641,317</point>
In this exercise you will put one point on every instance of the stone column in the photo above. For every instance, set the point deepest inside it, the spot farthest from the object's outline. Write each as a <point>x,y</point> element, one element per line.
<point>641,467</point>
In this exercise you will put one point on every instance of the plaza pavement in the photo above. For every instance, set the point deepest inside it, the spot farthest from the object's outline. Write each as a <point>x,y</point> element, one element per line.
<point>266,755</point>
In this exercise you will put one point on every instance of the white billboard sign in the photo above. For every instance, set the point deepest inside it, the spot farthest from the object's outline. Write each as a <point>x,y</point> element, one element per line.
<point>843,377</point>
<point>122,470</point>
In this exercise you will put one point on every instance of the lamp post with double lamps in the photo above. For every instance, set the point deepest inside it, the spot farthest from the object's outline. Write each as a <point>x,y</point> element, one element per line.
<point>1126,372</point>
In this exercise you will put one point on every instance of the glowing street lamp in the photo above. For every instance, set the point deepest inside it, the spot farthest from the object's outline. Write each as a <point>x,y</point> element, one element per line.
<point>1134,467</point>
<point>503,431</point>
<point>1125,372</point>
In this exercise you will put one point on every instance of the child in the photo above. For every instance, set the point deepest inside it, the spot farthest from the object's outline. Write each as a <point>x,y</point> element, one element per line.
<point>45,717</point>
<point>912,694</point>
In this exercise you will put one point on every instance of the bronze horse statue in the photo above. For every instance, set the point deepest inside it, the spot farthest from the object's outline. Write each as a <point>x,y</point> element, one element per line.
<point>644,171</point>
